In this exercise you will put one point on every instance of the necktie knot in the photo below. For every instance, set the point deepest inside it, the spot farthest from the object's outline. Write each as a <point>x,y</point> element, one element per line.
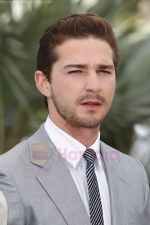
<point>89,155</point>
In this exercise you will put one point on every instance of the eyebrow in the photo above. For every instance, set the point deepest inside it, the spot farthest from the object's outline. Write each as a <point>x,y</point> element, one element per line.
<point>84,66</point>
<point>81,66</point>
<point>103,66</point>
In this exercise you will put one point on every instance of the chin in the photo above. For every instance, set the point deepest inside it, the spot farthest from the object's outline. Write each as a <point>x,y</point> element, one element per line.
<point>88,122</point>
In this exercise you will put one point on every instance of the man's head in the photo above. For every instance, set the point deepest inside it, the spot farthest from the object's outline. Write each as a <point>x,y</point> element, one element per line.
<point>81,44</point>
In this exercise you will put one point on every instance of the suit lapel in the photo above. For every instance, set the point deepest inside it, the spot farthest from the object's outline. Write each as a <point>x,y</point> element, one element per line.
<point>57,181</point>
<point>118,188</point>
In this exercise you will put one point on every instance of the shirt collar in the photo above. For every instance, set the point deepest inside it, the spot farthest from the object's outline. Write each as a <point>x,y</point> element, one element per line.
<point>69,148</point>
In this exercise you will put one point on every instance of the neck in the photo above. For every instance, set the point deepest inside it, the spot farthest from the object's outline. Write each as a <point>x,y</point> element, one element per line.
<point>86,136</point>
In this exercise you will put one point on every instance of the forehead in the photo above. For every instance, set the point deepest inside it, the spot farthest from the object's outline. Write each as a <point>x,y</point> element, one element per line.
<point>85,49</point>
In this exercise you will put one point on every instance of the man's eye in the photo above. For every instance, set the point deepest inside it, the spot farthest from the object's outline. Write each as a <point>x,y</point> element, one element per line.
<point>75,71</point>
<point>105,71</point>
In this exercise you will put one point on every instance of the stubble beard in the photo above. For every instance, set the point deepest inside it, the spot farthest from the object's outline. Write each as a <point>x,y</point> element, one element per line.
<point>69,115</point>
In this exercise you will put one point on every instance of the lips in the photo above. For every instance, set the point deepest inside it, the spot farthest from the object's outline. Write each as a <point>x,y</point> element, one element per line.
<point>91,103</point>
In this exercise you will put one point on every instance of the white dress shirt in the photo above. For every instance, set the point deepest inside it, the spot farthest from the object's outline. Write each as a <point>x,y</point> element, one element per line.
<point>3,210</point>
<point>72,151</point>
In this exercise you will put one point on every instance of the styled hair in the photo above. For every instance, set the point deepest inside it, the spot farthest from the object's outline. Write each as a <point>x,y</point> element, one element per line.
<point>74,26</point>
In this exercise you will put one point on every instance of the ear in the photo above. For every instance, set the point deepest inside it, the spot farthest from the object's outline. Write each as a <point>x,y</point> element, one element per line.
<point>42,83</point>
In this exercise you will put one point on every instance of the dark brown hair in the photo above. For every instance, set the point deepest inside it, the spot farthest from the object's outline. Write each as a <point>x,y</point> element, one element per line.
<point>73,26</point>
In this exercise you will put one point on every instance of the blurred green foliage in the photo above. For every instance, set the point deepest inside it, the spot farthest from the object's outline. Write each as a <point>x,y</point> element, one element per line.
<point>21,107</point>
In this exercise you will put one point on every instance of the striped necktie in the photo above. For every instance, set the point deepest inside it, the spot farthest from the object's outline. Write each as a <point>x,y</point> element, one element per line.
<point>95,205</point>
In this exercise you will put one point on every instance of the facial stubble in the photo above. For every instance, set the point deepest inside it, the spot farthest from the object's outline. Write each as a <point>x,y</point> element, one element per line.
<point>71,117</point>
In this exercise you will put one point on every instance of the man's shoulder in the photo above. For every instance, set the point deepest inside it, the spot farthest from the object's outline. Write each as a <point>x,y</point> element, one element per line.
<point>118,154</point>
<point>127,165</point>
<point>21,152</point>
<point>15,156</point>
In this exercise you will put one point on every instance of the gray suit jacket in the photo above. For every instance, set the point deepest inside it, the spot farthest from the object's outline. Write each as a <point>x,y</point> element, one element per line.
<point>39,188</point>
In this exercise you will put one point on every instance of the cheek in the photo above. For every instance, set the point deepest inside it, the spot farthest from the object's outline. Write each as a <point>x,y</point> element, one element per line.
<point>64,92</point>
<point>110,90</point>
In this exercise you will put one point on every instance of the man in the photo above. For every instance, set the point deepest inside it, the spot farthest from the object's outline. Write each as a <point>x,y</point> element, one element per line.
<point>64,174</point>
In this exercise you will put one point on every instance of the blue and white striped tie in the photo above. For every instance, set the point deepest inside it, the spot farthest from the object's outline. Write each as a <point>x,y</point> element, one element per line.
<point>95,205</point>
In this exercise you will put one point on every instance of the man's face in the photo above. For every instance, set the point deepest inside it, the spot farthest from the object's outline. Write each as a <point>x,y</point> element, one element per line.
<point>82,83</point>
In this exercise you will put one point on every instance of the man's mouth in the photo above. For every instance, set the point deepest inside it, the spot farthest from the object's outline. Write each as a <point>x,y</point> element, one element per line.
<point>91,103</point>
<point>91,100</point>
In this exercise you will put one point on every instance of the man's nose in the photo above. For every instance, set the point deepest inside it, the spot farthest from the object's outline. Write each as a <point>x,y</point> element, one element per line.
<point>93,82</point>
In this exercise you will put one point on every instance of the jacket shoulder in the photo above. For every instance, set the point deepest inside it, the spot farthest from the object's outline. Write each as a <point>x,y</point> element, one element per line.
<point>127,165</point>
